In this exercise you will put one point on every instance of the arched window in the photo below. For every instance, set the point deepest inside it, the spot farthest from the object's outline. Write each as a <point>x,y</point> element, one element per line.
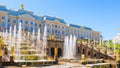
<point>8,26</point>
<point>35,24</point>
<point>21,21</point>
<point>3,24</point>
<point>31,23</point>
<point>8,19</point>
<point>3,17</point>
<point>26,27</point>
<point>26,22</point>
<point>52,31</point>
<point>31,29</point>
<point>14,21</point>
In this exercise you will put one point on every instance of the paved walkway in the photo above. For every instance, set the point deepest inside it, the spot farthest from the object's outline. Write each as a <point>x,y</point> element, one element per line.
<point>64,65</point>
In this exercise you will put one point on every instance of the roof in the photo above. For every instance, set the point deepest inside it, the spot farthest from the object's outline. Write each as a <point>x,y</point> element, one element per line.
<point>87,28</point>
<point>73,25</point>
<point>11,12</point>
<point>3,8</point>
<point>77,26</point>
<point>54,18</point>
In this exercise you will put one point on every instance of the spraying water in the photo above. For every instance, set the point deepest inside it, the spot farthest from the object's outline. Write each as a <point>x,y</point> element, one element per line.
<point>69,49</point>
<point>19,37</point>
<point>44,40</point>
<point>38,41</point>
<point>33,36</point>
<point>10,38</point>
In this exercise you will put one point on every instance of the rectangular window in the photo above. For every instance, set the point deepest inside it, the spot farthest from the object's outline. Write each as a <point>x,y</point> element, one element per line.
<point>55,31</point>
<point>63,32</point>
<point>8,19</point>
<point>52,31</point>
<point>48,30</point>
<point>39,25</point>
<point>55,26</point>
<point>35,24</point>
<point>52,25</point>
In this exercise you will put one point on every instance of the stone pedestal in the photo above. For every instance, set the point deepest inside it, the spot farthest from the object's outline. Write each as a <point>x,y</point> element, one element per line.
<point>11,59</point>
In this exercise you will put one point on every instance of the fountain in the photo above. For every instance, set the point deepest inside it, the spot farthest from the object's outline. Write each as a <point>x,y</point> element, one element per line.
<point>24,48</point>
<point>69,49</point>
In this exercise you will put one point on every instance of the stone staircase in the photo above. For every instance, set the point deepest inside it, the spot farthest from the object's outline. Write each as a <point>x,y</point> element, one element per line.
<point>94,52</point>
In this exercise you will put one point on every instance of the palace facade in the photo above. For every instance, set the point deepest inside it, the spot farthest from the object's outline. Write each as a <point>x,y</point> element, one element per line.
<point>56,27</point>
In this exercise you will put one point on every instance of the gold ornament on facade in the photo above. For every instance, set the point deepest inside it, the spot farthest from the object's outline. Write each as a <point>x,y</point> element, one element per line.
<point>51,37</point>
<point>55,22</point>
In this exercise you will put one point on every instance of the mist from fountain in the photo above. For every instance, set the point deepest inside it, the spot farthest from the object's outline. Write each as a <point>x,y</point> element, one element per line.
<point>69,48</point>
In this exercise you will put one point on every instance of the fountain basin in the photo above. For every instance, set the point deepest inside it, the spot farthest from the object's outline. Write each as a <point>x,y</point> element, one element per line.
<point>29,63</point>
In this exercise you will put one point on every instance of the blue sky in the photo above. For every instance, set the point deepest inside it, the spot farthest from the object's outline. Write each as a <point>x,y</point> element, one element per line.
<point>100,15</point>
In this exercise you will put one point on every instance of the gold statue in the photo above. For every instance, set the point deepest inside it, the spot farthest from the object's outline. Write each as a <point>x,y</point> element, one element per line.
<point>1,44</point>
<point>31,37</point>
<point>12,51</point>
<point>22,7</point>
<point>83,58</point>
<point>56,53</point>
<point>23,31</point>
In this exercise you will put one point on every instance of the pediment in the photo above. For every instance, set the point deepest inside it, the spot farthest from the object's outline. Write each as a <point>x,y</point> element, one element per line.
<point>81,28</point>
<point>27,16</point>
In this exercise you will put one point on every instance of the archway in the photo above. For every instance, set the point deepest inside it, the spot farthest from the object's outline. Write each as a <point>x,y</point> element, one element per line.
<point>88,53</point>
<point>59,52</point>
<point>52,52</point>
<point>95,55</point>
<point>78,50</point>
<point>83,51</point>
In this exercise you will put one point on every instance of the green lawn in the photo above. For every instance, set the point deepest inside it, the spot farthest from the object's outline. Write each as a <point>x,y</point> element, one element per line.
<point>112,45</point>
